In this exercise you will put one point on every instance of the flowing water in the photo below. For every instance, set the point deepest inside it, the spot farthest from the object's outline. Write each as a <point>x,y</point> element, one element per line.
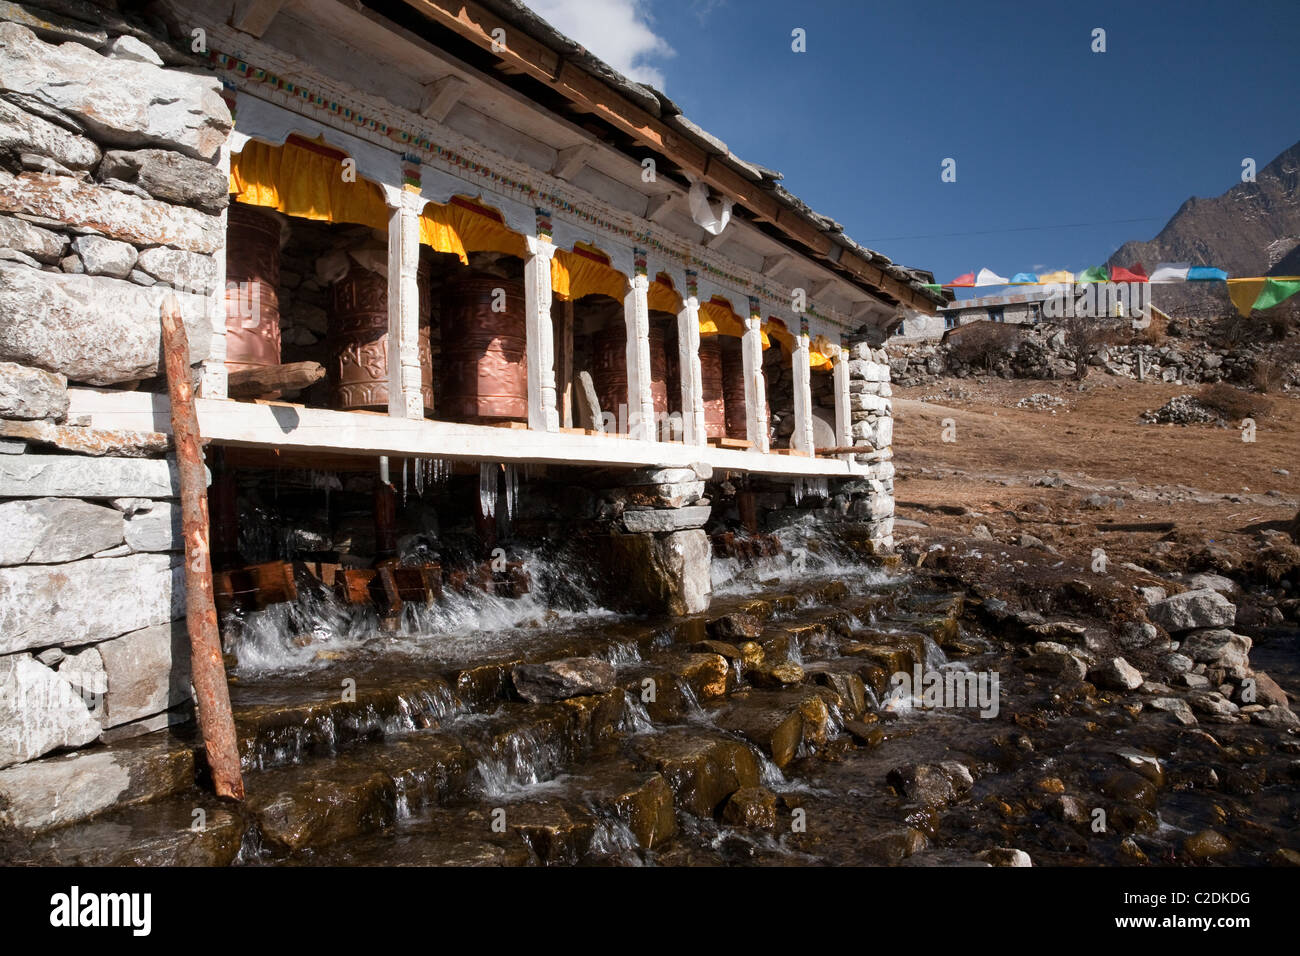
<point>408,745</point>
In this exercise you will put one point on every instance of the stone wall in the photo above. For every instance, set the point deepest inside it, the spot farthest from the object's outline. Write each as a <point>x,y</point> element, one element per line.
<point>112,195</point>
<point>872,409</point>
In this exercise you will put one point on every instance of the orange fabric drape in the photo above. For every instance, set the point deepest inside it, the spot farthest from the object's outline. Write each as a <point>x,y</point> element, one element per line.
<point>461,226</point>
<point>585,271</point>
<point>776,329</point>
<point>304,178</point>
<point>662,296</point>
<point>718,318</point>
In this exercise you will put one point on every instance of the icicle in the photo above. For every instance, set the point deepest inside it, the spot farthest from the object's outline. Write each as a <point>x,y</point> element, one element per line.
<point>512,491</point>
<point>487,489</point>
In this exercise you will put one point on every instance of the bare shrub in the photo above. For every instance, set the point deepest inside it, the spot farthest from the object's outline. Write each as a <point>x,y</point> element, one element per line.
<point>1267,375</point>
<point>1233,403</point>
<point>982,344</point>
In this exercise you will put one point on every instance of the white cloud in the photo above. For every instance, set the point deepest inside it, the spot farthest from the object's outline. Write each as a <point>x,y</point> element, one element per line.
<point>617,31</point>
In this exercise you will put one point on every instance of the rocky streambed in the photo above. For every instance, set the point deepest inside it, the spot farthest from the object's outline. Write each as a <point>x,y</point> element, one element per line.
<point>1093,723</point>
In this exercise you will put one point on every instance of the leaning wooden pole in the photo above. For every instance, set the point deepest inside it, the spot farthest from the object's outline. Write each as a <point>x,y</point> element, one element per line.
<point>207,670</point>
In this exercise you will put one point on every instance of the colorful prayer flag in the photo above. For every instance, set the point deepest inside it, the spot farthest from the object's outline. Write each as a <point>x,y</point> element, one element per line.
<point>1024,278</point>
<point>1058,277</point>
<point>989,277</point>
<point>1170,272</point>
<point>1206,274</point>
<point>1095,274</point>
<point>1244,292</point>
<point>1277,291</point>
<point>966,281</point>
<point>1134,274</point>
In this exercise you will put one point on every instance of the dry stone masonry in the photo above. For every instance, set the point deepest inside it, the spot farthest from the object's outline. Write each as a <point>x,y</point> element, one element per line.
<point>112,196</point>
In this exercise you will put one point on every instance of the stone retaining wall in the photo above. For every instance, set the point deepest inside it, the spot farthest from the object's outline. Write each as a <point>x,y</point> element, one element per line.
<point>872,409</point>
<point>112,195</point>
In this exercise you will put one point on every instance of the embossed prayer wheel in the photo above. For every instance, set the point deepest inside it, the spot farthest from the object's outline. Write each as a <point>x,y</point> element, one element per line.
<point>609,367</point>
<point>715,414</point>
<point>733,387</point>
<point>484,362</point>
<point>252,288</point>
<point>358,342</point>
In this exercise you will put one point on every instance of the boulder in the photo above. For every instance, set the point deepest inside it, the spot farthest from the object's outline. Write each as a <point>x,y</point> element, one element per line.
<point>91,329</point>
<point>51,530</point>
<point>752,808</point>
<point>931,784</point>
<point>32,393</point>
<point>145,672</point>
<point>110,212</point>
<point>562,679</point>
<point>1116,674</point>
<point>123,102</point>
<point>189,271</point>
<point>660,573</point>
<point>169,176</point>
<point>40,711</point>
<point>105,257</point>
<point>76,476</point>
<point>87,601</point>
<point>43,245</point>
<point>1219,647</point>
<point>1191,609</point>
<point>22,132</point>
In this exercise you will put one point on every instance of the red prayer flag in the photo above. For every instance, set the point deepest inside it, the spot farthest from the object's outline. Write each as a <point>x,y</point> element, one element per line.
<point>966,281</point>
<point>1133,274</point>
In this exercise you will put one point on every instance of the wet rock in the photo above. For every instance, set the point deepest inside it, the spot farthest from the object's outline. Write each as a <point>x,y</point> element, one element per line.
<point>1145,764</point>
<point>703,770</point>
<point>59,790</point>
<point>120,101</point>
<point>737,626</point>
<point>729,652</point>
<point>52,530</point>
<point>32,393</point>
<point>1070,809</point>
<point>663,573</point>
<point>88,600</point>
<point>561,679</point>
<point>1005,856</point>
<point>559,832</point>
<point>752,808</point>
<point>782,674</point>
<point>642,800</point>
<point>1277,717</point>
<point>1219,647</point>
<point>1205,845</point>
<point>931,784</point>
<point>1193,609</point>
<point>866,735</point>
<point>92,329</point>
<point>848,685</point>
<point>751,655</point>
<point>896,846</point>
<point>661,520</point>
<point>772,720</point>
<point>1125,786</point>
<point>1116,674</point>
<point>708,675</point>
<point>892,660</point>
<point>294,811</point>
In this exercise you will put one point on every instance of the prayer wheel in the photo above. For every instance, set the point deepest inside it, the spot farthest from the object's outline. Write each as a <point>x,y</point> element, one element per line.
<point>358,342</point>
<point>252,288</point>
<point>733,387</point>
<point>609,367</point>
<point>484,362</point>
<point>715,415</point>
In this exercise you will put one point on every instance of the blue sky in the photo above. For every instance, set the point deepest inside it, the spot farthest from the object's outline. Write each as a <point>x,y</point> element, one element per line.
<point>1044,131</point>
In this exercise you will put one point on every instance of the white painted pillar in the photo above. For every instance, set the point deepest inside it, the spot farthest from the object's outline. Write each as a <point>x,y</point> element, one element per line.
<point>688,362</point>
<point>755,389</point>
<point>539,334</point>
<point>843,414</point>
<point>640,400</point>
<point>213,382</point>
<point>405,399</point>
<point>802,440</point>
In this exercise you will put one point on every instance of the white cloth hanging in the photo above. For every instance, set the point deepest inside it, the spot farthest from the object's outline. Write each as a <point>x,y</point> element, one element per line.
<point>711,220</point>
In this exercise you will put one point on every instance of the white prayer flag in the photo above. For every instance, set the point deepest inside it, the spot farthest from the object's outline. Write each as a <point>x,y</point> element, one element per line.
<point>1170,272</point>
<point>989,277</point>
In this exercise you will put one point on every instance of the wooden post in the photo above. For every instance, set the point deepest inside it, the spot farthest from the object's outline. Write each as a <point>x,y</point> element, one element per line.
<point>688,361</point>
<point>405,397</point>
<point>843,415</point>
<point>640,399</point>
<point>564,362</point>
<point>803,424</point>
<point>539,337</point>
<point>207,670</point>
<point>755,388</point>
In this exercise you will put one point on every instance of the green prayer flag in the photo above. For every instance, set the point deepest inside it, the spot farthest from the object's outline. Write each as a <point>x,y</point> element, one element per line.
<point>1095,274</point>
<point>1275,292</point>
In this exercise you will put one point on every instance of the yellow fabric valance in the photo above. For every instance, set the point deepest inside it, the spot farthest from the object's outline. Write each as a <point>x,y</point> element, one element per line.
<point>663,297</point>
<point>819,354</point>
<point>717,318</point>
<point>462,226</point>
<point>578,273</point>
<point>305,179</point>
<point>776,329</point>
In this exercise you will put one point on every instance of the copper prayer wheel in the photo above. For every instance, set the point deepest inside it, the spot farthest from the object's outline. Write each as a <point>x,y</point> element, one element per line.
<point>733,386</point>
<point>252,288</point>
<point>484,362</point>
<point>609,367</point>
<point>358,342</point>
<point>715,415</point>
